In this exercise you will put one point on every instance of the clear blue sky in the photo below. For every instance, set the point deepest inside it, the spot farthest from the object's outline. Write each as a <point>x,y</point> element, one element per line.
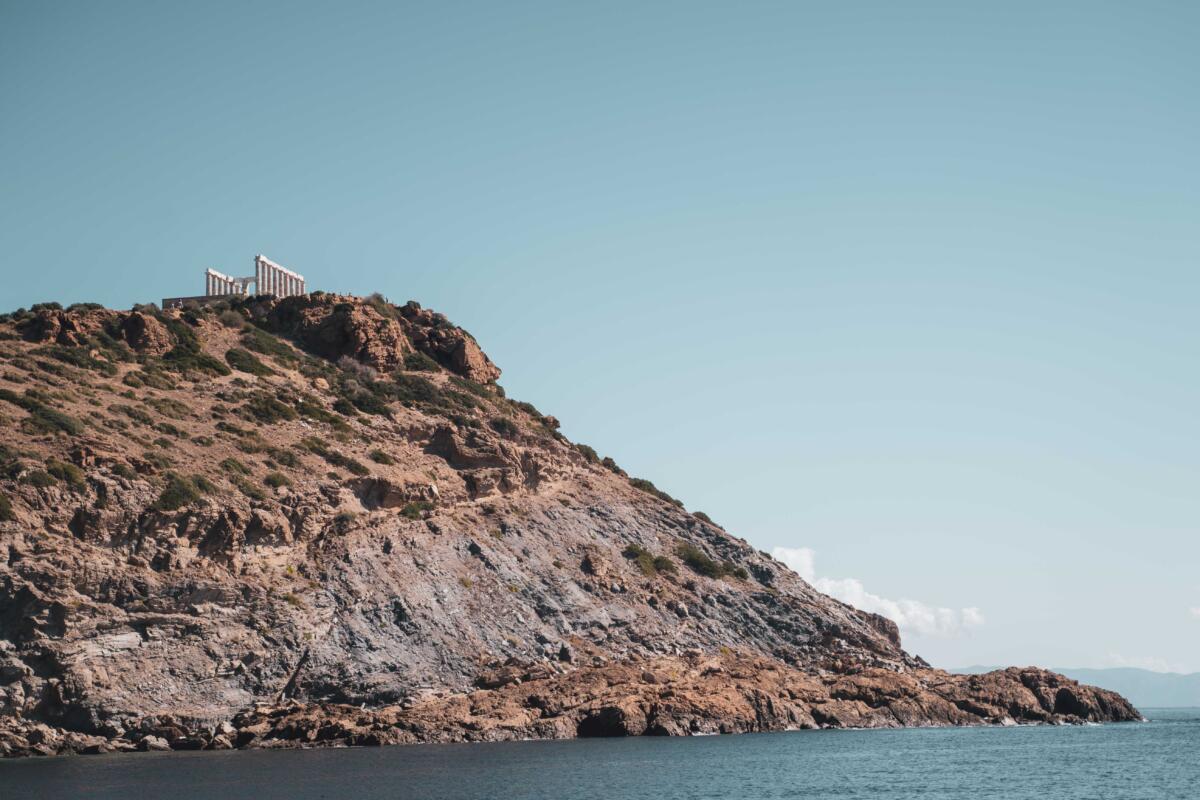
<point>909,284</point>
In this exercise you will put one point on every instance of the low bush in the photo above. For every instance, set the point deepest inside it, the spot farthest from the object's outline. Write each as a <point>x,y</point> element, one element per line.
<point>234,467</point>
<point>333,457</point>
<point>232,319</point>
<point>416,509</point>
<point>504,426</point>
<point>39,478</point>
<point>182,490</point>
<point>587,452</point>
<point>647,486</point>
<point>265,408</point>
<point>276,479</point>
<point>247,488</point>
<point>67,473</point>
<point>263,343</point>
<point>42,418</point>
<point>648,563</point>
<point>245,361</point>
<point>380,457</point>
<point>419,362</point>
<point>6,509</point>
<point>123,470</point>
<point>701,564</point>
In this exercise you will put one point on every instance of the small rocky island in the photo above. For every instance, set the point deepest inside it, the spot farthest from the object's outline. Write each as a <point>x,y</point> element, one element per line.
<point>318,520</point>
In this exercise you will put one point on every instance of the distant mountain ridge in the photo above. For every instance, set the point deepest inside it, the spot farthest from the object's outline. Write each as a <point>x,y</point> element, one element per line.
<point>1142,687</point>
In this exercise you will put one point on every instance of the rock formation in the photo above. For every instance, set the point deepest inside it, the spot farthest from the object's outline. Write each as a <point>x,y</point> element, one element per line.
<point>318,520</point>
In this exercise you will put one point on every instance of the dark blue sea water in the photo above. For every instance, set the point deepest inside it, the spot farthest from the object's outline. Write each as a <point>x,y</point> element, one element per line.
<point>1155,760</point>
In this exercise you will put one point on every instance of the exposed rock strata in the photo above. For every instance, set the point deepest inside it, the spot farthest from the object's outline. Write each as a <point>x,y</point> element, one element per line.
<point>297,553</point>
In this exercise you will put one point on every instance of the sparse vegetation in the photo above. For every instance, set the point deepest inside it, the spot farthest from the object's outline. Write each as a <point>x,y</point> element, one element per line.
<point>265,408</point>
<point>504,426</point>
<point>263,343</point>
<point>647,486</point>
<point>247,488</point>
<point>187,355</point>
<point>276,479</point>
<point>648,563</point>
<point>67,473</point>
<point>337,459</point>
<point>415,510</point>
<point>6,509</point>
<point>42,418</point>
<point>419,362</point>
<point>39,478</point>
<point>234,467</point>
<point>182,490</point>
<point>122,470</point>
<point>232,319</point>
<point>587,452</point>
<point>245,361</point>
<point>701,564</point>
<point>380,457</point>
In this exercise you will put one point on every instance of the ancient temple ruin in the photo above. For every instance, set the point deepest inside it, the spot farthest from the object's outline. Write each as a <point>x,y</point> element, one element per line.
<point>268,278</point>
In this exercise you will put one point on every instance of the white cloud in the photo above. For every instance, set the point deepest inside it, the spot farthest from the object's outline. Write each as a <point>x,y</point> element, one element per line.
<point>912,616</point>
<point>1195,611</point>
<point>1143,662</point>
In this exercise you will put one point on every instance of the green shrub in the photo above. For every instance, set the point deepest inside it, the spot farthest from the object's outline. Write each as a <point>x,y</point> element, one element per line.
<point>158,460</point>
<point>6,509</point>
<point>123,470</point>
<point>700,515</point>
<point>169,408</point>
<point>135,414</point>
<point>276,479</point>
<point>265,408</point>
<point>337,459</point>
<point>187,355</point>
<point>80,357</point>
<point>285,457</point>
<point>648,563</point>
<point>699,563</point>
<point>67,473</point>
<point>504,426</point>
<point>419,362</point>
<point>642,557</point>
<point>203,441</point>
<point>611,466</point>
<point>235,467</point>
<point>232,319</point>
<point>182,490</point>
<point>647,486</point>
<point>380,457</point>
<point>42,418</point>
<point>247,488</point>
<point>245,361</point>
<point>39,478</point>
<point>416,509</point>
<point>588,453</point>
<point>263,343</point>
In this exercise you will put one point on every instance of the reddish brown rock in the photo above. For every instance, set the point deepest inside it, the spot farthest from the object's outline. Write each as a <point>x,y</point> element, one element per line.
<point>253,560</point>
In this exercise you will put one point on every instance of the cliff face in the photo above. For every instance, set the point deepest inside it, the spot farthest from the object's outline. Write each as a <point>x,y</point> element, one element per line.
<point>319,520</point>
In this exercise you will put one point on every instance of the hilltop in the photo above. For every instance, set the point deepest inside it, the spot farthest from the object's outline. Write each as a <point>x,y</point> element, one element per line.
<point>320,520</point>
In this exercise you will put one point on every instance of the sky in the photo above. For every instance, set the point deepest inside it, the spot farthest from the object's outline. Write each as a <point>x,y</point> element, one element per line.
<point>904,293</point>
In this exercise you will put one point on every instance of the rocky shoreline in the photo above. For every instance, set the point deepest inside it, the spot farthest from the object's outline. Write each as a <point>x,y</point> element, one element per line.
<point>684,696</point>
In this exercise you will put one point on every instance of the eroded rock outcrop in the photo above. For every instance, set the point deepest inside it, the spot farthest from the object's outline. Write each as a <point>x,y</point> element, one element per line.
<point>213,535</point>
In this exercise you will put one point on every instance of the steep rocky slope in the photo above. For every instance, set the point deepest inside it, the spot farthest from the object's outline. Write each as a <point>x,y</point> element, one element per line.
<point>320,520</point>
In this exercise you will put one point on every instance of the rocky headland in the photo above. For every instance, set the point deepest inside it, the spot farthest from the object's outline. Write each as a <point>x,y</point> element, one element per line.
<point>320,521</point>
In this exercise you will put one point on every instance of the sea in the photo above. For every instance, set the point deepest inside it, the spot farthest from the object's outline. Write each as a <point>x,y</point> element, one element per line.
<point>1152,760</point>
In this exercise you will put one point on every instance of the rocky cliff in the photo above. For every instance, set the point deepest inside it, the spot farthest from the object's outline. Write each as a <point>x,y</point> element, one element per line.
<point>319,520</point>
